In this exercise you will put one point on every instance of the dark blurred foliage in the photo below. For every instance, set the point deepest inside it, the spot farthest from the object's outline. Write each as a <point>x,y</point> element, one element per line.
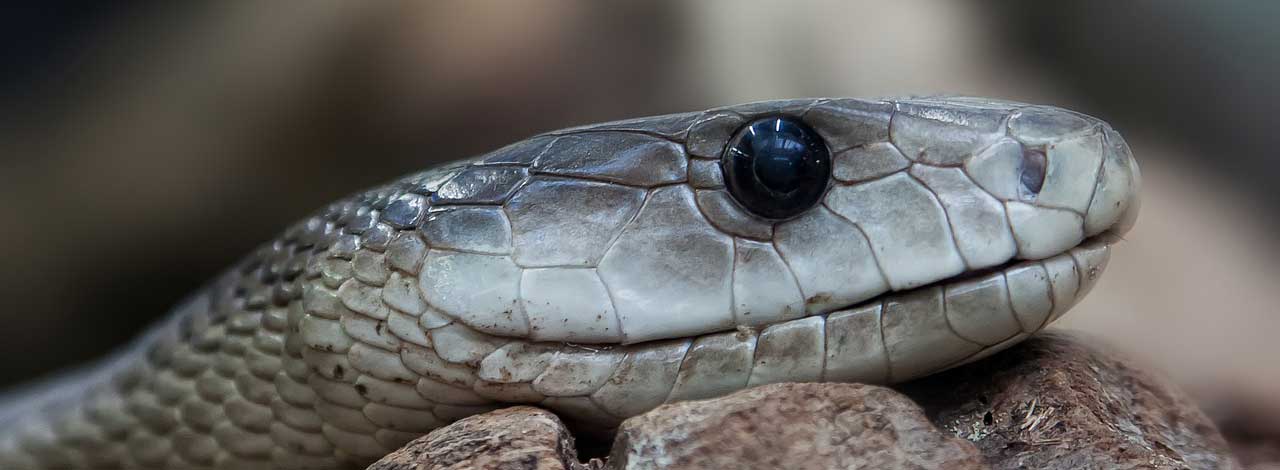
<point>38,42</point>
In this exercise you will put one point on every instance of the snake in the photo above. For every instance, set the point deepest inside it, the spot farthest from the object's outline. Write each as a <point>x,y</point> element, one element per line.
<point>601,271</point>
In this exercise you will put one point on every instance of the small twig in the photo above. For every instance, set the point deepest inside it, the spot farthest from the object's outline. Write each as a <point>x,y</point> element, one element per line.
<point>1027,418</point>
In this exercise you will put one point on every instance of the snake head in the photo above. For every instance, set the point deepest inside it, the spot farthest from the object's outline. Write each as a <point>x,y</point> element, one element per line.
<point>751,215</point>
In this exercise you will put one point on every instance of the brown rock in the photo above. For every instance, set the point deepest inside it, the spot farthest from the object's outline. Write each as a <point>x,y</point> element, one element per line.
<point>1053,402</point>
<point>518,438</point>
<point>792,426</point>
<point>1057,402</point>
<point>1256,452</point>
<point>1250,423</point>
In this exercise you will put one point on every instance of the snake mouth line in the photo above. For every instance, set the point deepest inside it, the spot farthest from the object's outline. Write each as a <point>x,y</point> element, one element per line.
<point>1105,241</point>
<point>1085,276</point>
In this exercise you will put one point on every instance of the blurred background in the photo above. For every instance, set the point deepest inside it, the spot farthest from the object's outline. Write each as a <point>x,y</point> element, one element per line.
<point>145,146</point>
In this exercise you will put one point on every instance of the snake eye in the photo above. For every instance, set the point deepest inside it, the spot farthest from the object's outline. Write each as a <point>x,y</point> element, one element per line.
<point>776,167</point>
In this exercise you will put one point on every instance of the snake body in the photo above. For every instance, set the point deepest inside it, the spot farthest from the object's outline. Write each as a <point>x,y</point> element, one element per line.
<point>599,272</point>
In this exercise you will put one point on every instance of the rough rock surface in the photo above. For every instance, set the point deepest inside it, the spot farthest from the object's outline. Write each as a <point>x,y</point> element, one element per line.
<point>1257,449</point>
<point>1058,402</point>
<point>796,426</point>
<point>1054,402</point>
<point>519,438</point>
<point>1251,424</point>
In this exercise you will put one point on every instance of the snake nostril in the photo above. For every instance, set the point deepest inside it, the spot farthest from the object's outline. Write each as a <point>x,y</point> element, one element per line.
<point>1032,173</point>
<point>776,167</point>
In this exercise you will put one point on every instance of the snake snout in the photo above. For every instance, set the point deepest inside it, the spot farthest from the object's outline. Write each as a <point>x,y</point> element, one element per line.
<point>1063,176</point>
<point>1117,197</point>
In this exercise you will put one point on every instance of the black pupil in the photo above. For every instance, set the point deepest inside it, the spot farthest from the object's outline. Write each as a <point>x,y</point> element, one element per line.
<point>780,161</point>
<point>777,167</point>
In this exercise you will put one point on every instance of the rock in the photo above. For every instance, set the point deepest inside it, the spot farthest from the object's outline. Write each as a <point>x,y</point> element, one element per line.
<point>793,426</point>
<point>1255,451</point>
<point>1053,402</point>
<point>1057,402</point>
<point>518,438</point>
<point>1250,423</point>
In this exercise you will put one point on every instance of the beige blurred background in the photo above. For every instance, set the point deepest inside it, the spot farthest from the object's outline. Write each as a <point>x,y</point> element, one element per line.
<point>144,148</point>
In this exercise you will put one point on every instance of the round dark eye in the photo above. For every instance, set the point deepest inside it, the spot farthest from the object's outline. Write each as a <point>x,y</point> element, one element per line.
<point>776,167</point>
